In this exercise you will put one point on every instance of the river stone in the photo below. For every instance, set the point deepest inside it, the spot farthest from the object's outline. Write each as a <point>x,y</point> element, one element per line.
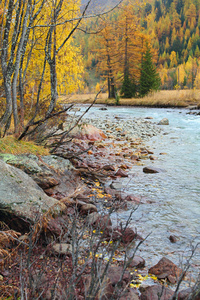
<point>45,181</point>
<point>173,238</point>
<point>87,208</point>
<point>137,262</point>
<point>32,164</point>
<point>88,132</point>
<point>57,163</point>
<point>22,197</point>
<point>130,294</point>
<point>114,274</point>
<point>23,162</point>
<point>103,223</point>
<point>183,295</point>
<point>151,169</point>
<point>156,292</point>
<point>165,268</point>
<point>121,173</point>
<point>164,121</point>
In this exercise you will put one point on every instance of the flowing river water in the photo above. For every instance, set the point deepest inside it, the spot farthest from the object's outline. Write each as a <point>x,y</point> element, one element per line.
<point>174,195</point>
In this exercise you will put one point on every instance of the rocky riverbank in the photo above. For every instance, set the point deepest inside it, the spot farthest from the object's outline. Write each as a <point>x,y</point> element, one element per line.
<point>81,179</point>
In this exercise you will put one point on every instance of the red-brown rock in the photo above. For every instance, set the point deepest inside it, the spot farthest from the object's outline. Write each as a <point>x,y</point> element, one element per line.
<point>88,209</point>
<point>121,173</point>
<point>106,288</point>
<point>173,239</point>
<point>126,235</point>
<point>109,168</point>
<point>165,268</point>
<point>103,223</point>
<point>130,294</point>
<point>137,262</point>
<point>133,198</point>
<point>45,182</point>
<point>183,295</point>
<point>152,170</point>
<point>156,292</point>
<point>114,274</point>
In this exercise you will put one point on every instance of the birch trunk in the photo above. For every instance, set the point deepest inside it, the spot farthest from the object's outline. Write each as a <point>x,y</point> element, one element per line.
<point>6,69</point>
<point>17,64</point>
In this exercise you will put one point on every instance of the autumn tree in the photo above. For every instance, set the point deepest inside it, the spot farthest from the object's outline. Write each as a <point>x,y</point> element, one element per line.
<point>24,26</point>
<point>131,47</point>
<point>14,30</point>
<point>107,54</point>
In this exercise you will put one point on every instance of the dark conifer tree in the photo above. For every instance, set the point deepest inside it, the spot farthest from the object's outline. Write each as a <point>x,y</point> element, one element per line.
<point>128,89</point>
<point>149,78</point>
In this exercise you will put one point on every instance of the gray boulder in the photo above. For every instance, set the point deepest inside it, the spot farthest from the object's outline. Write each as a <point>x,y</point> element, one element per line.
<point>55,175</point>
<point>32,164</point>
<point>21,197</point>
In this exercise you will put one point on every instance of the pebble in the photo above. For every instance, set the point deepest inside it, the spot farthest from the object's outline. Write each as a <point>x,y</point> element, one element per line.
<point>133,128</point>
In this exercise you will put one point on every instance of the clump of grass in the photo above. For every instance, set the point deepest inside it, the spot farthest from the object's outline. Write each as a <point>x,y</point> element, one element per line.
<point>11,145</point>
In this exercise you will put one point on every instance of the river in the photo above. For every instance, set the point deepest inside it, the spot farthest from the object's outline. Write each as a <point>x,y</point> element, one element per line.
<point>174,194</point>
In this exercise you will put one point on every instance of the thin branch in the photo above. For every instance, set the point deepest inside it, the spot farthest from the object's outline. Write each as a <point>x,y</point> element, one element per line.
<point>80,18</point>
<point>67,132</point>
<point>39,122</point>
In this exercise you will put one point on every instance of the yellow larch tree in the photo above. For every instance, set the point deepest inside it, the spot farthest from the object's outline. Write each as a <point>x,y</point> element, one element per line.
<point>131,41</point>
<point>107,53</point>
<point>68,64</point>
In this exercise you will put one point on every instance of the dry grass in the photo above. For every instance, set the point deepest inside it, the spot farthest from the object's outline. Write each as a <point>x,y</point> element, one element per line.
<point>11,145</point>
<point>84,98</point>
<point>174,98</point>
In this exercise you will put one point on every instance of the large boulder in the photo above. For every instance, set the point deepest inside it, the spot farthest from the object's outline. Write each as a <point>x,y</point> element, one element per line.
<point>55,175</point>
<point>21,198</point>
<point>33,164</point>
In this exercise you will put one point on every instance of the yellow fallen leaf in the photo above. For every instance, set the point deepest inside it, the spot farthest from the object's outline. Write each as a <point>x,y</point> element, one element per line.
<point>100,196</point>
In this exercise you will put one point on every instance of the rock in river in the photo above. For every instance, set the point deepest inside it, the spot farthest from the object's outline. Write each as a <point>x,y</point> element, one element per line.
<point>165,268</point>
<point>152,170</point>
<point>164,121</point>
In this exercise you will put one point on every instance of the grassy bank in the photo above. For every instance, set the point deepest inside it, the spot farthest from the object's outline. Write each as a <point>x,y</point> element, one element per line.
<point>174,98</point>
<point>11,145</point>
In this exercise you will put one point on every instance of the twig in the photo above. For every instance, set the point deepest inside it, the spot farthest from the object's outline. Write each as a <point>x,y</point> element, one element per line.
<point>39,122</point>
<point>68,131</point>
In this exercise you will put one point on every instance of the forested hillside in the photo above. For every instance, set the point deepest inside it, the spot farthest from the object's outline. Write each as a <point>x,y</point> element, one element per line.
<point>172,29</point>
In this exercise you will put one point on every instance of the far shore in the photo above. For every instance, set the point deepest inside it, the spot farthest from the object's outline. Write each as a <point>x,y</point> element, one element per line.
<point>165,98</point>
